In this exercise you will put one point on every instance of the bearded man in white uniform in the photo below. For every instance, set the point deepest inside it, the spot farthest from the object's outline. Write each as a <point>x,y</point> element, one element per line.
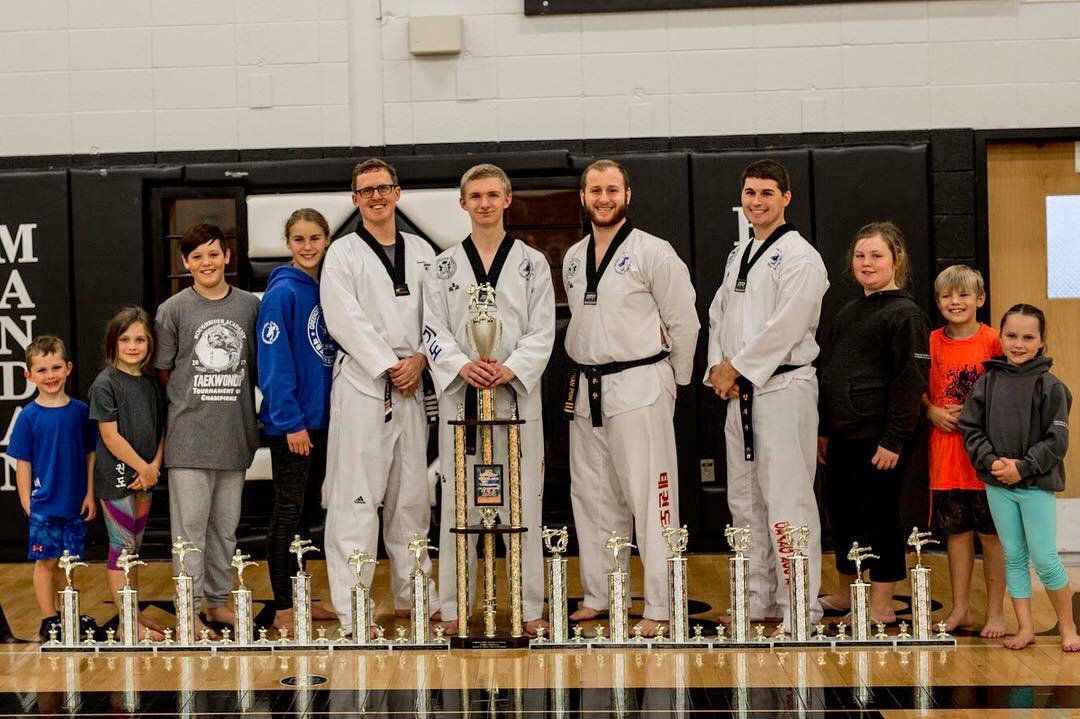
<point>761,345</point>
<point>371,293</point>
<point>632,333</point>
<point>525,309</point>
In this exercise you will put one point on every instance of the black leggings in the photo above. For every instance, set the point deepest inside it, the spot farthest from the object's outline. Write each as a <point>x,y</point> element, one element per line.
<point>297,489</point>
<point>864,507</point>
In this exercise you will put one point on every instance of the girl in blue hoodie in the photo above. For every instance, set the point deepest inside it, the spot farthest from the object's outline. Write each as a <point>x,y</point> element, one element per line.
<point>296,358</point>
<point>1016,431</point>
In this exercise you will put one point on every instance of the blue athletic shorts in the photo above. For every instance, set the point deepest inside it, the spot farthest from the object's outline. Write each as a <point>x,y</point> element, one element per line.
<point>50,536</point>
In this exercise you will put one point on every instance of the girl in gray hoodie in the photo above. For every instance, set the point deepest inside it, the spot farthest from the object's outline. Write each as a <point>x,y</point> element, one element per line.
<point>1016,431</point>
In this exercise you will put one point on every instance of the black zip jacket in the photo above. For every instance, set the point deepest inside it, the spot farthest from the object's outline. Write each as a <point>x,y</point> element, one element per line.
<point>876,369</point>
<point>1020,412</point>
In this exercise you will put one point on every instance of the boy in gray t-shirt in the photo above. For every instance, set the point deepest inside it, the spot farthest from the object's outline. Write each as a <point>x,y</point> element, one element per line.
<point>206,357</point>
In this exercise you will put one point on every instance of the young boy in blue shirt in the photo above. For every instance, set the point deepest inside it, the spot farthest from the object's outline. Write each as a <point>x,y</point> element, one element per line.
<point>53,444</point>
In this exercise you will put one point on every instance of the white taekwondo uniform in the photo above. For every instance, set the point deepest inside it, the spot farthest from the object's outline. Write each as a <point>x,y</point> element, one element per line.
<point>625,472</point>
<point>375,457</point>
<point>767,331</point>
<point>525,308</point>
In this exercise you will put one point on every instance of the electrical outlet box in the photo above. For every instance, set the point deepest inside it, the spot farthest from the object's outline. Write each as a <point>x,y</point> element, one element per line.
<point>435,35</point>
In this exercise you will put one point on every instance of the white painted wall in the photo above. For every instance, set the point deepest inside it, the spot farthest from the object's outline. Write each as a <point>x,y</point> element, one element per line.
<point>82,76</point>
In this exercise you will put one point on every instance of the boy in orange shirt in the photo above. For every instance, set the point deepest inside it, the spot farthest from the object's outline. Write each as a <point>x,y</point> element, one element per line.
<point>957,353</point>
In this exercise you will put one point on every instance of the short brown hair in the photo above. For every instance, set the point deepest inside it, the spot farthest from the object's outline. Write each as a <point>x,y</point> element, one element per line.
<point>199,235</point>
<point>119,324</point>
<point>893,238</point>
<point>767,170</point>
<point>43,345</point>
<point>959,277</point>
<point>373,164</point>
<point>484,171</point>
<point>605,164</point>
<point>307,214</point>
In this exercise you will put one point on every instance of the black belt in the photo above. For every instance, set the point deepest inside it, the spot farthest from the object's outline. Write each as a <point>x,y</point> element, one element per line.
<point>746,407</point>
<point>593,373</point>
<point>431,402</point>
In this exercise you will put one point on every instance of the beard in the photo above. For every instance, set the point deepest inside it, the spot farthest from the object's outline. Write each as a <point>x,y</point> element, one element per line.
<point>616,217</point>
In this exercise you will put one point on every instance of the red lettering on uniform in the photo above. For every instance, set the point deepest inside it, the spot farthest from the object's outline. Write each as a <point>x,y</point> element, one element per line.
<point>665,517</point>
<point>784,549</point>
<point>663,499</point>
<point>662,483</point>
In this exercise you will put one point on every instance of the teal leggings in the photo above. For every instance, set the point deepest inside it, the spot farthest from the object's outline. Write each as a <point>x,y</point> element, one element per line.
<point>1027,526</point>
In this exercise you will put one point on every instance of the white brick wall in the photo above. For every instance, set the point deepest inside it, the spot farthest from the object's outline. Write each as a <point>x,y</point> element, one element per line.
<point>120,75</point>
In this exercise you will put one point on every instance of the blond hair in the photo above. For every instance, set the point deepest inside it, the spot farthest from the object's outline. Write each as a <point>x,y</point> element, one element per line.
<point>482,172</point>
<point>959,277</point>
<point>893,238</point>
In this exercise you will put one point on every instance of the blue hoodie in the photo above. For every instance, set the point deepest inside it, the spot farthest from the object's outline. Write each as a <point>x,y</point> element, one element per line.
<point>296,354</point>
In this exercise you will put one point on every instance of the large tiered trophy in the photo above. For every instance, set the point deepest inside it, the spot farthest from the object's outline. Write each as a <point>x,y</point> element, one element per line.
<point>242,599</point>
<point>678,602</point>
<point>488,492</point>
<point>556,540</point>
<point>860,594</point>
<point>798,537</point>
<point>184,586</point>
<point>361,597</point>
<point>618,589</point>
<point>739,582</point>
<point>129,600</point>
<point>920,585</point>
<point>301,589</point>
<point>69,601</point>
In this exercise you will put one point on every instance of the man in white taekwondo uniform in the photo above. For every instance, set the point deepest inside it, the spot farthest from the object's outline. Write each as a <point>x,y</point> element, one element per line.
<point>371,293</point>
<point>632,333</point>
<point>525,308</point>
<point>761,346</point>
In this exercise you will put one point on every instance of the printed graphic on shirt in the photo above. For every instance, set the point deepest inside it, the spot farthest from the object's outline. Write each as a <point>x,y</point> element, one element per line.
<point>622,264</point>
<point>270,332</point>
<point>218,367</point>
<point>445,268</point>
<point>959,381</point>
<point>774,261</point>
<point>525,268</point>
<point>319,337</point>
<point>572,270</point>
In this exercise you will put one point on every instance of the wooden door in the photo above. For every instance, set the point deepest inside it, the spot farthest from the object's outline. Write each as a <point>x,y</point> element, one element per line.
<point>1020,176</point>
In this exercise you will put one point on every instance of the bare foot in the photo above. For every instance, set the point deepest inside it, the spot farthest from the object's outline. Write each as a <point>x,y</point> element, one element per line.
<point>283,618</point>
<point>145,621</point>
<point>959,619</point>
<point>1022,638</point>
<point>321,614</point>
<point>586,614</point>
<point>199,626</point>
<point>222,615</point>
<point>649,626</point>
<point>402,613</point>
<point>994,628</point>
<point>531,627</point>
<point>450,627</point>
<point>156,632</point>
<point>835,602</point>
<point>1070,642</point>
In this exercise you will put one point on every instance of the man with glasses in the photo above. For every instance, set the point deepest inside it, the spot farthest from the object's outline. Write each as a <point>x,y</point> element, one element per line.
<point>371,292</point>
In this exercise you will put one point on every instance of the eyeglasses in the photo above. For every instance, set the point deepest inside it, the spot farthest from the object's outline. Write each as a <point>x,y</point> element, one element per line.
<point>367,192</point>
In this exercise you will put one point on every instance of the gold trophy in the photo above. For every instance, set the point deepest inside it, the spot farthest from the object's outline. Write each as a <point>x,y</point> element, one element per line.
<point>618,589</point>
<point>798,537</point>
<point>488,492</point>
<point>676,539</point>
<point>860,594</point>
<point>920,586</point>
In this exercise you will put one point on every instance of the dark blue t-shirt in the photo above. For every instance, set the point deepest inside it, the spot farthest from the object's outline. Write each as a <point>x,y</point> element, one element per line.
<point>55,441</point>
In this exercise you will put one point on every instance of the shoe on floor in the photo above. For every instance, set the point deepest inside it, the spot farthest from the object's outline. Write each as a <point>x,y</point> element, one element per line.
<point>47,624</point>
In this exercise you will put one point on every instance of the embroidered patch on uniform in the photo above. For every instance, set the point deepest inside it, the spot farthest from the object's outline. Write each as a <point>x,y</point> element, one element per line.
<point>622,264</point>
<point>572,270</point>
<point>922,356</point>
<point>445,268</point>
<point>525,268</point>
<point>319,337</point>
<point>453,286</point>
<point>774,261</point>
<point>731,257</point>
<point>427,265</point>
<point>270,333</point>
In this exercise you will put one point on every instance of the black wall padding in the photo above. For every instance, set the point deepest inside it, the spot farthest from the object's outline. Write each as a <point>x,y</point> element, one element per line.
<point>857,185</point>
<point>110,252</point>
<point>717,206</point>
<point>35,274</point>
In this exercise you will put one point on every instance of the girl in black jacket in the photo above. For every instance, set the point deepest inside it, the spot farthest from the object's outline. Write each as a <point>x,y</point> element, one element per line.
<point>872,384</point>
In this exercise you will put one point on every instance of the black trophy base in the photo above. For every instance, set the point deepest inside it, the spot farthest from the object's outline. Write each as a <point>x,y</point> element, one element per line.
<point>482,642</point>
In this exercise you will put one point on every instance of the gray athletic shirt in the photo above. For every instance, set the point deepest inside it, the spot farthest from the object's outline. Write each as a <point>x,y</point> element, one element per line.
<point>209,346</point>
<point>137,405</point>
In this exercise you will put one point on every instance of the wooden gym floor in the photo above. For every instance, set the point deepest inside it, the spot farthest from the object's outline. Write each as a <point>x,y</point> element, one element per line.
<point>978,678</point>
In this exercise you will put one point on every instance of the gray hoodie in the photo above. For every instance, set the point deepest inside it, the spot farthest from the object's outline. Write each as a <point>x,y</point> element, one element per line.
<point>1020,412</point>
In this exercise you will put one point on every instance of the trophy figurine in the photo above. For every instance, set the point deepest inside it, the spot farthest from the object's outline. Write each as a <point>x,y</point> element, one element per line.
<point>418,578</point>
<point>618,589</point>
<point>362,618</point>
<point>184,586</point>
<point>556,540</point>
<point>738,538</point>
<point>860,594</point>
<point>301,589</point>
<point>69,601</point>
<point>676,539</point>
<point>799,588</point>
<point>920,586</point>
<point>242,599</point>
<point>129,600</point>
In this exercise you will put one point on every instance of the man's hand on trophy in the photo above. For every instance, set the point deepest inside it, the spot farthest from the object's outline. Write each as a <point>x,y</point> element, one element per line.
<point>504,373</point>
<point>479,374</point>
<point>405,375</point>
